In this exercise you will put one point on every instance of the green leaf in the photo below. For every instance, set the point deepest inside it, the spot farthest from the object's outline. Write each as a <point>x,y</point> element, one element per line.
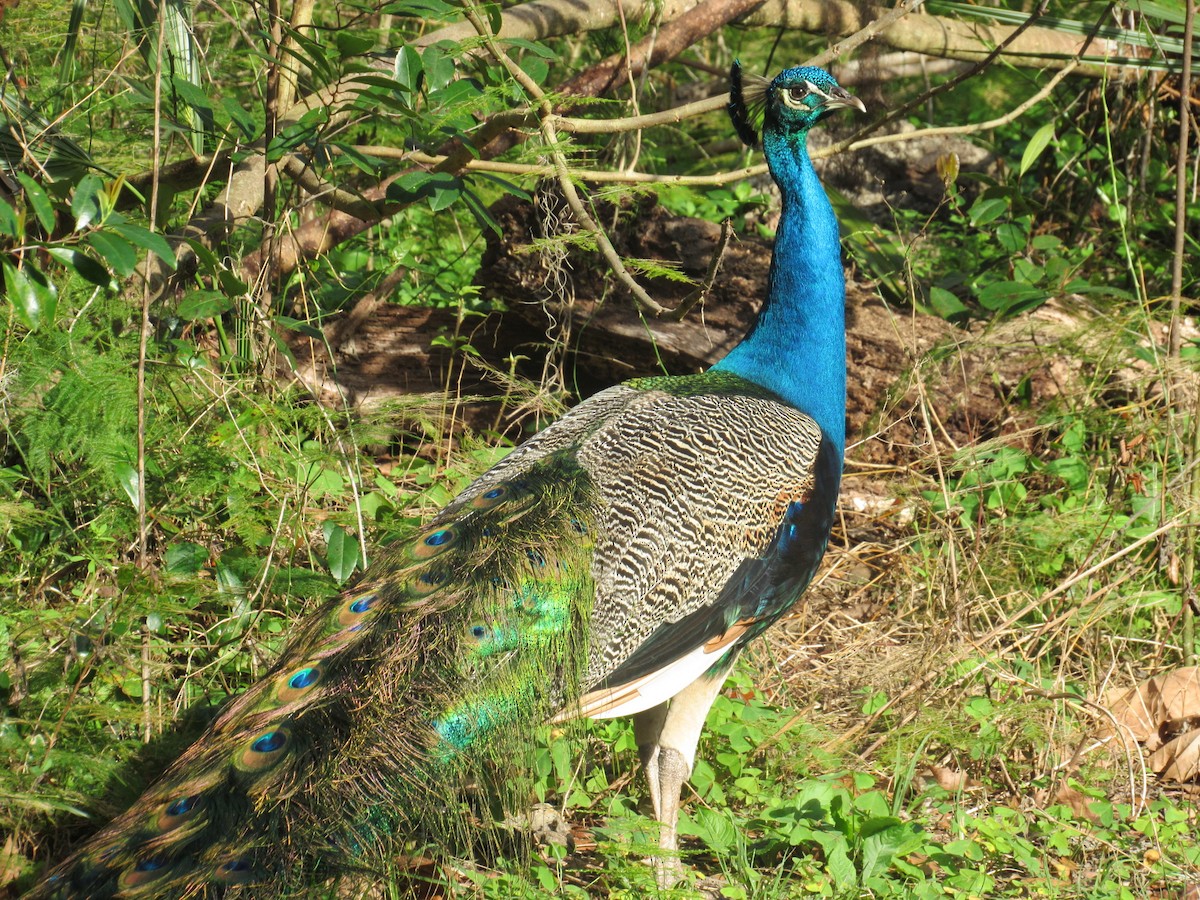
<point>242,119</point>
<point>512,188</point>
<point>945,304</point>
<point>82,264</point>
<point>185,558</point>
<point>183,65</point>
<point>147,240</point>
<point>439,66</point>
<point>368,164</point>
<point>85,202</point>
<point>115,251</point>
<point>713,827</point>
<point>204,305</point>
<point>445,194</point>
<point>10,225</point>
<point>127,478</point>
<point>1010,297</point>
<point>988,209</point>
<point>193,96</point>
<point>492,13</point>
<point>299,325</point>
<point>533,47</point>
<point>536,68</point>
<point>409,69</point>
<point>1074,471</point>
<point>33,297</point>
<point>423,9</point>
<point>42,207</point>
<point>350,43</point>
<point>341,551</point>
<point>877,824</point>
<point>1011,237</point>
<point>440,188</point>
<point>1037,144</point>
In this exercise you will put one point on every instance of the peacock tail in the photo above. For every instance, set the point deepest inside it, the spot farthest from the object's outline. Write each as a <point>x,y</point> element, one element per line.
<point>614,564</point>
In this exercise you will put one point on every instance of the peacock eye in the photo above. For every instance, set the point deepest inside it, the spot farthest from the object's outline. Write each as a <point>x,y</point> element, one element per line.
<point>798,93</point>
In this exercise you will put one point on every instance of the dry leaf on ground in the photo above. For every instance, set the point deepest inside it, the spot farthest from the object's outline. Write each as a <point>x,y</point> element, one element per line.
<point>1163,713</point>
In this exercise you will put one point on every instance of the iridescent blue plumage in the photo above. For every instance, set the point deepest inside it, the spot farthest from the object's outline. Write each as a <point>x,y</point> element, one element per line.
<point>797,347</point>
<point>615,564</point>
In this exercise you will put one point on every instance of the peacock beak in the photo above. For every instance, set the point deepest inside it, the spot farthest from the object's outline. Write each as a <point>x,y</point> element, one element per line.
<point>839,98</point>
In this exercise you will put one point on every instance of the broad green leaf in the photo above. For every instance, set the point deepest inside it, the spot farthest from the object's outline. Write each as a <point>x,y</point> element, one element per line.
<point>988,209</point>
<point>536,68</point>
<point>191,94</point>
<point>1011,236</point>
<point>38,199</point>
<point>185,558</point>
<point>85,202</point>
<point>242,119</point>
<point>439,67</point>
<point>203,305</point>
<point>10,224</point>
<point>461,91</point>
<point>877,824</point>
<point>341,551</point>
<point>294,324</point>
<point>147,240</point>
<point>115,251</point>
<point>82,264</point>
<point>491,12</point>
<point>945,304</point>
<point>533,47</point>
<point>410,186</point>
<point>445,194</point>
<point>368,164</point>
<point>409,68</point>
<point>1037,144</point>
<point>350,43</point>
<point>127,478</point>
<point>422,9</point>
<point>1010,297</point>
<point>34,298</point>
<point>712,826</point>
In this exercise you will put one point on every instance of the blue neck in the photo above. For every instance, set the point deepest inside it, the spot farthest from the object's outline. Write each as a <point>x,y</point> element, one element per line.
<point>797,347</point>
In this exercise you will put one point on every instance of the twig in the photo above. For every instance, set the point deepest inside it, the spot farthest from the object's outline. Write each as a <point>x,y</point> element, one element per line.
<point>887,20</point>
<point>701,292</point>
<point>1190,453</point>
<point>1005,119</point>
<point>329,194</point>
<point>959,77</point>
<point>550,135</point>
<point>143,348</point>
<point>666,42</point>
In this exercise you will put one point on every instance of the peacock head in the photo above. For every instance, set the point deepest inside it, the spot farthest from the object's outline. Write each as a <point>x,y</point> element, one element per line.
<point>789,104</point>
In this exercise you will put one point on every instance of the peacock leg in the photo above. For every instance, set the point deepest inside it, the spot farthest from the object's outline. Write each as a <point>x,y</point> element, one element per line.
<point>647,726</point>
<point>667,736</point>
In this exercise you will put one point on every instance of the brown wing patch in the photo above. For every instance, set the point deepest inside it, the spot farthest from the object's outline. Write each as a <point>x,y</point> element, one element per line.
<point>735,631</point>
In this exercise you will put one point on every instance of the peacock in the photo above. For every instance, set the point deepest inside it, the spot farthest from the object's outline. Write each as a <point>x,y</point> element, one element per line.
<point>615,564</point>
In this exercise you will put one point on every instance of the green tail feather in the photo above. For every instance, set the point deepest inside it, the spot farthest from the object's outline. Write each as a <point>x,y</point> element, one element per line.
<point>372,718</point>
